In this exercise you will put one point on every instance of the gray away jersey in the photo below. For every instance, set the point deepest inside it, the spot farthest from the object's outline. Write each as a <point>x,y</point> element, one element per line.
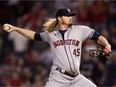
<point>67,52</point>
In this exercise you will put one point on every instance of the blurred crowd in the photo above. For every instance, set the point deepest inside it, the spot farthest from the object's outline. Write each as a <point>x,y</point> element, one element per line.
<point>26,63</point>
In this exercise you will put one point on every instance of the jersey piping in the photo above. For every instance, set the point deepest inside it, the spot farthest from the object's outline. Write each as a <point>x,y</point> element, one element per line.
<point>65,50</point>
<point>70,49</point>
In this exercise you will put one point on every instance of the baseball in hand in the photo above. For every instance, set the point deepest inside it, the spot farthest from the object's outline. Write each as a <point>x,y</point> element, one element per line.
<point>6,28</point>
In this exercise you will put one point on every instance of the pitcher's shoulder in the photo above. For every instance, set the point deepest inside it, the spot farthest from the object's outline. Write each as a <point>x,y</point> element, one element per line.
<point>81,26</point>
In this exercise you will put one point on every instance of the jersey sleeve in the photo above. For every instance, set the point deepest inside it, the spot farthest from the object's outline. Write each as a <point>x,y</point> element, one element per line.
<point>87,32</point>
<point>45,36</point>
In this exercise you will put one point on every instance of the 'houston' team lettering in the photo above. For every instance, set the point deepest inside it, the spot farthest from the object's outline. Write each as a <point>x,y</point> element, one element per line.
<point>66,42</point>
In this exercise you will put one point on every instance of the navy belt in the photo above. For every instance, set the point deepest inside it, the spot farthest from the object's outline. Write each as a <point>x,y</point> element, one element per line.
<point>66,73</point>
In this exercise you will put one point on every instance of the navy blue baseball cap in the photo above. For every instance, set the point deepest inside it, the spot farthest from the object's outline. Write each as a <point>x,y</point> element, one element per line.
<point>64,12</point>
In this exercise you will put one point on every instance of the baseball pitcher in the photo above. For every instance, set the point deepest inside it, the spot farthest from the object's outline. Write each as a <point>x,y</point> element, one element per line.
<point>65,40</point>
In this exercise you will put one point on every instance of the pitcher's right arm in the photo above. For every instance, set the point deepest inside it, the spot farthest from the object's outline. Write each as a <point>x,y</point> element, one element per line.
<point>27,33</point>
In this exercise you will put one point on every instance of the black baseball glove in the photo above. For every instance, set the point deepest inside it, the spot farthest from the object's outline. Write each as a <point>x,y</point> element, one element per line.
<point>101,52</point>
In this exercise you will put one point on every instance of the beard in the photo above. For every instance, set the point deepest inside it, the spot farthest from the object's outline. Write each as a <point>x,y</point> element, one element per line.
<point>69,24</point>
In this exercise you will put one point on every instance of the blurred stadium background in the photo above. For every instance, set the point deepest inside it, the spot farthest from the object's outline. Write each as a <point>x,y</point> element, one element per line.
<point>25,63</point>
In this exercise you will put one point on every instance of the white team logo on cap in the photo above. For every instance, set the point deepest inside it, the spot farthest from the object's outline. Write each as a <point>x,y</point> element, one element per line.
<point>68,10</point>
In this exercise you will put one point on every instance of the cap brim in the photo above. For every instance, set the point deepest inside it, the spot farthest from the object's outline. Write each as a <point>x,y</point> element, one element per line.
<point>72,14</point>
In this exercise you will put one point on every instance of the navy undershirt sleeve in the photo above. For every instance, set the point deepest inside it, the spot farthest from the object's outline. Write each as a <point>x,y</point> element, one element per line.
<point>95,36</point>
<point>37,37</point>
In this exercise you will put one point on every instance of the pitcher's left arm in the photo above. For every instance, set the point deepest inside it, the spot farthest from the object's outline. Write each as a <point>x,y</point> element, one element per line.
<point>102,41</point>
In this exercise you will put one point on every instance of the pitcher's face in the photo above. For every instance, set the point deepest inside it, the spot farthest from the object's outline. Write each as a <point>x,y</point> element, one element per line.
<point>66,20</point>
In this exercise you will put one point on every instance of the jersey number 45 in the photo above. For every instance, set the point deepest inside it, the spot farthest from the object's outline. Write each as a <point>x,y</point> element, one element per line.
<point>76,52</point>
